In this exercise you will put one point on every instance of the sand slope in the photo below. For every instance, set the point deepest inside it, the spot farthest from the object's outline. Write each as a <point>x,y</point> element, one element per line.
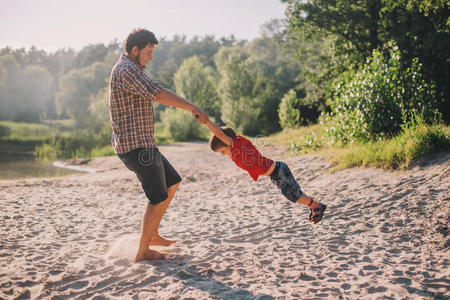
<point>384,236</point>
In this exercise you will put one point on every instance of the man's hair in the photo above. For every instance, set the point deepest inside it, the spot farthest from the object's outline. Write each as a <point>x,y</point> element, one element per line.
<point>215,143</point>
<point>139,37</point>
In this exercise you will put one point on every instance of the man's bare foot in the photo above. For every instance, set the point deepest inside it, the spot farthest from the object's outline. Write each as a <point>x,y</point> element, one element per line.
<point>149,255</point>
<point>159,241</point>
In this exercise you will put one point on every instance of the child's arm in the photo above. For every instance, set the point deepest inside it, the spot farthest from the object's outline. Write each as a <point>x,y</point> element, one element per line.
<point>219,133</point>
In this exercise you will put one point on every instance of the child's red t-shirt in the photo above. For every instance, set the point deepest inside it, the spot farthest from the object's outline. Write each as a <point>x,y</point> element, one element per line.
<point>247,157</point>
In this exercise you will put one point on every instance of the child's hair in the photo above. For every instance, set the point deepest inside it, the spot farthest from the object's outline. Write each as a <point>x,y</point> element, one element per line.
<point>215,143</point>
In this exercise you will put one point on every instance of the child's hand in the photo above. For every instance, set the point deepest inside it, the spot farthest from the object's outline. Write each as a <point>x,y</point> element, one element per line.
<point>202,119</point>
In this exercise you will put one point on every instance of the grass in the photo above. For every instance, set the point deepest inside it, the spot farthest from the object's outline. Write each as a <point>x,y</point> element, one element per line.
<point>58,140</point>
<point>86,144</point>
<point>27,132</point>
<point>53,139</point>
<point>291,135</point>
<point>79,144</point>
<point>413,145</point>
<point>102,151</point>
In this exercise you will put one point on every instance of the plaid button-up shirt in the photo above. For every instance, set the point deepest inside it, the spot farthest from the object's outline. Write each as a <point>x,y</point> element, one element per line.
<point>130,106</point>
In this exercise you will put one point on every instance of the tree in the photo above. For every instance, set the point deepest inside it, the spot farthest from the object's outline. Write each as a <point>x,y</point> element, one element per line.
<point>9,91</point>
<point>253,79</point>
<point>99,108</point>
<point>36,87</point>
<point>90,54</point>
<point>421,29</point>
<point>277,71</point>
<point>2,75</point>
<point>170,54</point>
<point>76,89</point>
<point>240,108</point>
<point>197,82</point>
<point>60,62</point>
<point>25,92</point>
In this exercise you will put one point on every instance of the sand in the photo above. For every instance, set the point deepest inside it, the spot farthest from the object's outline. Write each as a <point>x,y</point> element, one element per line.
<point>384,234</point>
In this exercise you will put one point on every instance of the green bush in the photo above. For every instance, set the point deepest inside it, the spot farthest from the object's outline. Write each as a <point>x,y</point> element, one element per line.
<point>288,111</point>
<point>181,125</point>
<point>295,111</point>
<point>4,131</point>
<point>309,142</point>
<point>377,99</point>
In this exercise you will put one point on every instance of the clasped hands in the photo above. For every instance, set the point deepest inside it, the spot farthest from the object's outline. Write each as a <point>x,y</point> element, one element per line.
<point>200,115</point>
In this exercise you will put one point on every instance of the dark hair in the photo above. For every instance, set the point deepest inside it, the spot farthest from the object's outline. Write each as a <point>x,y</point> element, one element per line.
<point>215,143</point>
<point>139,37</point>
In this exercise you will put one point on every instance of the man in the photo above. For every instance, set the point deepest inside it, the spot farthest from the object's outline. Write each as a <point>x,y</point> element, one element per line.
<point>132,120</point>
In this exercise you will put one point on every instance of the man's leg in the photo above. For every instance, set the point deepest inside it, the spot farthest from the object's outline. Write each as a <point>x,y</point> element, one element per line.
<point>150,223</point>
<point>157,240</point>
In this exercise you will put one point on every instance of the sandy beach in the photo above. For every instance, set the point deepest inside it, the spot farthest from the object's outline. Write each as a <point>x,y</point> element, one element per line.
<point>384,234</point>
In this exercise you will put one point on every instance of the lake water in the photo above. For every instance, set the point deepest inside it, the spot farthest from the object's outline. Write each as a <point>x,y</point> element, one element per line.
<point>17,160</point>
<point>31,168</point>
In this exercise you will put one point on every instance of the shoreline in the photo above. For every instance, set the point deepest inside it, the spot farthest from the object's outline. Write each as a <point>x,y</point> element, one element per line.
<point>75,167</point>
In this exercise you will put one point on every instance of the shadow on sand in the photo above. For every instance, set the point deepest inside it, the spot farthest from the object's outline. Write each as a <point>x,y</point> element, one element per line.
<point>182,268</point>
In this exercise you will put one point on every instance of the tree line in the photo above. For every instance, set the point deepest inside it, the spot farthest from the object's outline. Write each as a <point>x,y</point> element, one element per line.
<point>237,82</point>
<point>370,65</point>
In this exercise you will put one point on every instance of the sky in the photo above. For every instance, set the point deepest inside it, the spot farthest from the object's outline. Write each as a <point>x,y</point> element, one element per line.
<point>56,24</point>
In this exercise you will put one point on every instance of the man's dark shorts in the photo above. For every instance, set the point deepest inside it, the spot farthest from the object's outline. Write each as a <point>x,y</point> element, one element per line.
<point>153,170</point>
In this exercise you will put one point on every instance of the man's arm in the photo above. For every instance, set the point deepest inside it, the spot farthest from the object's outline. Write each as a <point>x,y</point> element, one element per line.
<point>169,98</point>
<point>218,132</point>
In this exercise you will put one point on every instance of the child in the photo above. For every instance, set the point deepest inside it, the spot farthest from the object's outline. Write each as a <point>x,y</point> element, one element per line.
<point>225,141</point>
